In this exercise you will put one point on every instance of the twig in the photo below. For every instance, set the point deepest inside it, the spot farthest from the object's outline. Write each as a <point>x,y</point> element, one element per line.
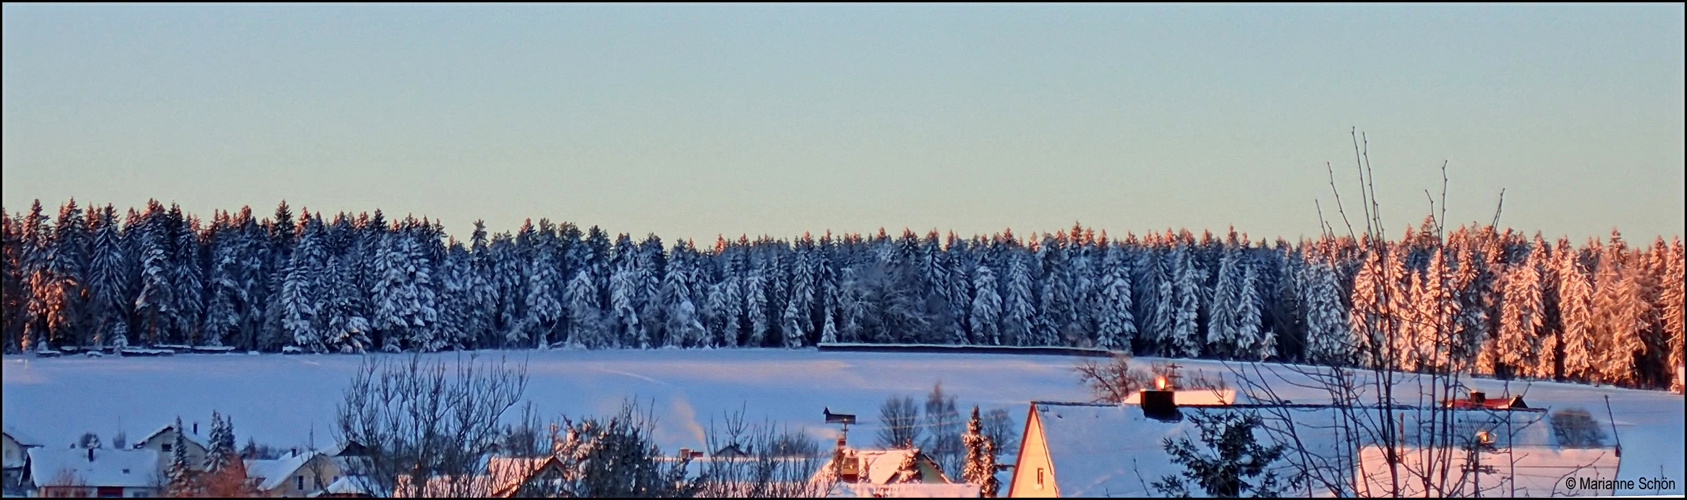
<point>1497,208</point>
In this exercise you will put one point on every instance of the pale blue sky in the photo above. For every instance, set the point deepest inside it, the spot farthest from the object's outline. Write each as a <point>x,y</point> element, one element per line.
<point>690,120</point>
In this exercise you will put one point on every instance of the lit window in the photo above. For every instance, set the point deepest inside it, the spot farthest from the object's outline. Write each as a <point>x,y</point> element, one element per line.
<point>1039,477</point>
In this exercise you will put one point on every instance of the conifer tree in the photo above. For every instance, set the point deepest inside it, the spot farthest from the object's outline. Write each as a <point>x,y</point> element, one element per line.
<point>107,289</point>
<point>986,310</point>
<point>1521,318</point>
<point>1114,310</point>
<point>1185,340</point>
<point>1575,310</point>
<point>980,466</point>
<point>180,478</point>
<point>1327,337</point>
<point>1018,312</point>
<point>584,324</point>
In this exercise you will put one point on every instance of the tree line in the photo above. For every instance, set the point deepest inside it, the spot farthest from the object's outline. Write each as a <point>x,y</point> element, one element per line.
<point>1508,304</point>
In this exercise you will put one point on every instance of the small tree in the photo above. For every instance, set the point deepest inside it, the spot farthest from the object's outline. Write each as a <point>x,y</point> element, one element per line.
<point>980,466</point>
<point>1232,458</point>
<point>182,482</point>
<point>900,420</point>
<point>423,420</point>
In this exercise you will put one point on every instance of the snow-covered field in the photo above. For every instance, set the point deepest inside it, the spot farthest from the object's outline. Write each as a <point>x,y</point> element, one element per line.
<point>280,400</point>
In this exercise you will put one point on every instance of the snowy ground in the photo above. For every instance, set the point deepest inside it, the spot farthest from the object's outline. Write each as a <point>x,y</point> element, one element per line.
<point>279,399</point>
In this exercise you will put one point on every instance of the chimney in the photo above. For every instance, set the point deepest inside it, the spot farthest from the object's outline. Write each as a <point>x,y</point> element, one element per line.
<point>295,451</point>
<point>90,454</point>
<point>1160,404</point>
<point>196,428</point>
<point>1478,397</point>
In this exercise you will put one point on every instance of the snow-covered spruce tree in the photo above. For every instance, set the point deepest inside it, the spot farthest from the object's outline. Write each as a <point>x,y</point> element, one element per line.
<point>585,324</point>
<point>1253,342</point>
<point>403,302</point>
<point>1521,318</point>
<point>12,293</point>
<point>755,299</point>
<point>1019,313</point>
<point>67,265</point>
<point>188,278</point>
<point>1232,463</point>
<point>623,296</point>
<point>1222,333</point>
<point>855,307</point>
<point>1619,312</point>
<point>1327,338</point>
<point>980,466</point>
<point>1057,318</point>
<point>107,288</point>
<point>986,311</point>
<point>1575,312</point>
<point>155,305</point>
<point>181,481</point>
<point>222,284</point>
<point>1185,334</point>
<point>1673,309</point>
<point>544,301</point>
<point>729,309</point>
<point>1116,321</point>
<point>299,292</point>
<point>347,327</point>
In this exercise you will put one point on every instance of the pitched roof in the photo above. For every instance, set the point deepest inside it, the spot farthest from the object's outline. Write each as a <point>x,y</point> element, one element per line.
<point>126,468</point>
<point>1113,450</point>
<point>905,490</point>
<point>350,485</point>
<point>881,466</point>
<point>272,473</point>
<point>186,434</point>
<point>21,438</point>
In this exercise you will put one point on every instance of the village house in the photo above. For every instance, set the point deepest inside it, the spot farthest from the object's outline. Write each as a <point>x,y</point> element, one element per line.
<point>16,446</point>
<point>163,440</point>
<point>505,477</point>
<point>896,473</point>
<point>295,475</point>
<point>1104,450</point>
<point>92,472</point>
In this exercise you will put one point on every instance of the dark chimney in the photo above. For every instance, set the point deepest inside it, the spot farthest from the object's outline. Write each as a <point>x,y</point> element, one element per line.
<point>1160,405</point>
<point>196,428</point>
<point>295,451</point>
<point>90,454</point>
<point>1478,397</point>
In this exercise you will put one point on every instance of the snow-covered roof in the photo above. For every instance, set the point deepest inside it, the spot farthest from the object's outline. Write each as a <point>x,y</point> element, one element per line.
<point>1193,397</point>
<point>21,438</point>
<point>125,468</point>
<point>503,477</point>
<point>270,474</point>
<point>187,433</point>
<point>880,466</point>
<point>904,490</point>
<point>350,485</point>
<point>1113,450</point>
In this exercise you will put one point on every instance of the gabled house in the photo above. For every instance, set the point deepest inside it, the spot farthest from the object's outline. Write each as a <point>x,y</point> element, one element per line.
<point>907,473</point>
<point>505,477</point>
<point>92,472</point>
<point>1103,450</point>
<point>162,442</point>
<point>296,475</point>
<point>16,445</point>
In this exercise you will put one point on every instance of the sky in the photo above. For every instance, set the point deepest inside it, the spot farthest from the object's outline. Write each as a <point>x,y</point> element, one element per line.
<point>691,121</point>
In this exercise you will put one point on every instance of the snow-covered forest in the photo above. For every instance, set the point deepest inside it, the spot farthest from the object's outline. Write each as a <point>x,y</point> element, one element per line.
<point>1507,304</point>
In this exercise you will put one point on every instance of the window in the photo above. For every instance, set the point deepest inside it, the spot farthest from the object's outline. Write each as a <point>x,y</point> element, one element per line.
<point>299,483</point>
<point>166,447</point>
<point>1039,477</point>
<point>139,494</point>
